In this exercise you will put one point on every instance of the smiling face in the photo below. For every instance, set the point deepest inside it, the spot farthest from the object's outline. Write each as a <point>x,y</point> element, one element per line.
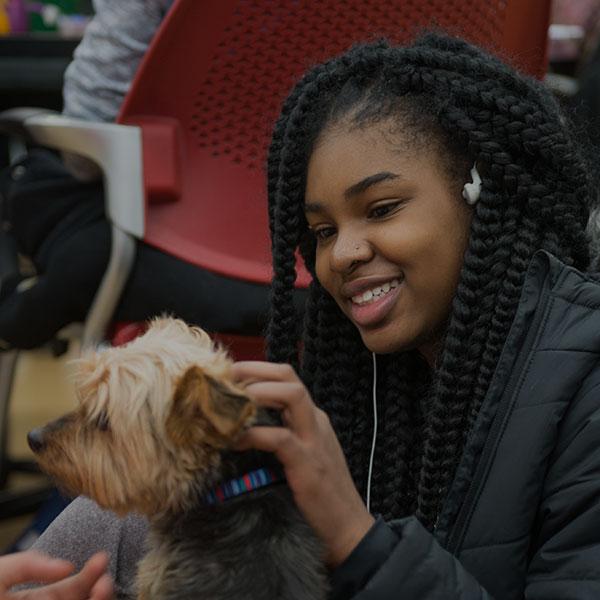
<point>391,229</point>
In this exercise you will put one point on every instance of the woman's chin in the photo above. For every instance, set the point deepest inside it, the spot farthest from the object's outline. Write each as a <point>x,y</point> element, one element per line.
<point>379,343</point>
<point>389,340</point>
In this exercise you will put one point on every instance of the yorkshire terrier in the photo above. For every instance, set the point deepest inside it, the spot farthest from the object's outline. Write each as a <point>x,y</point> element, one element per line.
<point>155,433</point>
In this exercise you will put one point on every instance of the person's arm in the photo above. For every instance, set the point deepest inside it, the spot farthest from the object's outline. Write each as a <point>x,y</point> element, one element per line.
<point>369,559</point>
<point>104,65</point>
<point>106,60</point>
<point>565,563</point>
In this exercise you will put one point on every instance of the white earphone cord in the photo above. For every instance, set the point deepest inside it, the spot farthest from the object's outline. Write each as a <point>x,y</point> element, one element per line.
<point>372,457</point>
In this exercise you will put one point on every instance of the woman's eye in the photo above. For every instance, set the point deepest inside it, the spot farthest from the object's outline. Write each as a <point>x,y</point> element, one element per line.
<point>383,210</point>
<point>323,233</point>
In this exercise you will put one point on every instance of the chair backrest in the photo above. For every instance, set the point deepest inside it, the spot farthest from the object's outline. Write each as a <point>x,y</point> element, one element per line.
<point>209,90</point>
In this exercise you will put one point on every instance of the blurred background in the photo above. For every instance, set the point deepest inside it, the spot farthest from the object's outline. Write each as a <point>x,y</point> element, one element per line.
<point>37,40</point>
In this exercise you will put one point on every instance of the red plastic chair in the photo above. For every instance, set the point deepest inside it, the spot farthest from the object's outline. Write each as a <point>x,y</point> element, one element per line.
<point>206,120</point>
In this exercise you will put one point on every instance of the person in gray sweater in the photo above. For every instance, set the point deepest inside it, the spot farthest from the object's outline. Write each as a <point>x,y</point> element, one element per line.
<point>105,63</point>
<point>107,58</point>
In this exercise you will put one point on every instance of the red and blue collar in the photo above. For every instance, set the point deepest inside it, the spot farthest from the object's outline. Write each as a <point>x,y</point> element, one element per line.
<point>253,480</point>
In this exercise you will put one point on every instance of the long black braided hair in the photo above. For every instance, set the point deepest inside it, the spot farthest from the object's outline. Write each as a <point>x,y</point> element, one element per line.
<point>536,193</point>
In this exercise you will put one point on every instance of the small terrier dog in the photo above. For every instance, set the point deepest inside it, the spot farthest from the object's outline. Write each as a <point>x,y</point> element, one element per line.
<point>154,433</point>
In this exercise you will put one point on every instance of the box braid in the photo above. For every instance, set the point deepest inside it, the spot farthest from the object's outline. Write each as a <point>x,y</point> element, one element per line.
<point>535,195</point>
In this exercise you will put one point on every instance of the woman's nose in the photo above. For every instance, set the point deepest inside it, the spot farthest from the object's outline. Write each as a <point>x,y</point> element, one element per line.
<point>348,252</point>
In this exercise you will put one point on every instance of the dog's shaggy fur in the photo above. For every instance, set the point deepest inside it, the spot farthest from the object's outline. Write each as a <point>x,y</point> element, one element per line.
<point>153,433</point>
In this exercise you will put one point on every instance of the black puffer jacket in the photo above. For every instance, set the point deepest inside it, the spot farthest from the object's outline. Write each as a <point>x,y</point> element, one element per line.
<point>522,519</point>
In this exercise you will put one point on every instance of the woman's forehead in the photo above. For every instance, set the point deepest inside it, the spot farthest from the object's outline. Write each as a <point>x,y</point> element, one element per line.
<point>353,154</point>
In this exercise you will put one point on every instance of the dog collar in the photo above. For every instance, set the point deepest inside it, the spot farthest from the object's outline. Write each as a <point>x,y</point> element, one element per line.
<point>253,480</point>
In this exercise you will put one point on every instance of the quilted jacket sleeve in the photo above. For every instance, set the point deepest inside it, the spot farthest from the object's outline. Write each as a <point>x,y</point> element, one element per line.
<point>403,560</point>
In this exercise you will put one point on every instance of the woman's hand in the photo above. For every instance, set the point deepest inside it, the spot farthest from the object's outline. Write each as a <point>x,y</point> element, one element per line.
<point>311,455</point>
<point>91,583</point>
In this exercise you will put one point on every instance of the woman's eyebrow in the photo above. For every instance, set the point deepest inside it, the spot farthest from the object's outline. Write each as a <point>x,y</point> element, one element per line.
<point>313,207</point>
<point>355,189</point>
<point>367,182</point>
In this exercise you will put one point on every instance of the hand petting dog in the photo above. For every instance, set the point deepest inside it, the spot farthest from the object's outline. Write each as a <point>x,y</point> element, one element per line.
<point>307,447</point>
<point>91,583</point>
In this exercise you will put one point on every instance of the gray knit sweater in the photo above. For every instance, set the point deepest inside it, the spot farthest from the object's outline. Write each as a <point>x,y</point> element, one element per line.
<point>83,529</point>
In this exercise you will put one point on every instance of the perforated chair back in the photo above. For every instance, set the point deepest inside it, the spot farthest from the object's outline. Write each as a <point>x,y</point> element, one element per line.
<point>209,90</point>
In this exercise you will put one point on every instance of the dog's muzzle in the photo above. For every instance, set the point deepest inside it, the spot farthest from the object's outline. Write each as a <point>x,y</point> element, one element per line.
<point>35,439</point>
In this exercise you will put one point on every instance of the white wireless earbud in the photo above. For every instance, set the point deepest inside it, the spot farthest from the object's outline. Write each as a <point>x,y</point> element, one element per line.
<point>472,190</point>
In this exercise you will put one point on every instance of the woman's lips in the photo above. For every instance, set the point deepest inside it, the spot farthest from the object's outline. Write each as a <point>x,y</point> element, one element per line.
<point>375,311</point>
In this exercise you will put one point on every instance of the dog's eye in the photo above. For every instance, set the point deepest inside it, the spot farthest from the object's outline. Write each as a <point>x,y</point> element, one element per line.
<point>102,422</point>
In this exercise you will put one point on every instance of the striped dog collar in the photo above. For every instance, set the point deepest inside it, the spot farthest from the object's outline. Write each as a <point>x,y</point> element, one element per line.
<point>253,480</point>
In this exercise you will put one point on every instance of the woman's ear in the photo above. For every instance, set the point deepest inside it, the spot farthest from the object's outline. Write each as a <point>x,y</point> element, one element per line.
<point>208,411</point>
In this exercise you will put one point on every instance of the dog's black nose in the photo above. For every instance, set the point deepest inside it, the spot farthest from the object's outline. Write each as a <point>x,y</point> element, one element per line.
<point>35,438</point>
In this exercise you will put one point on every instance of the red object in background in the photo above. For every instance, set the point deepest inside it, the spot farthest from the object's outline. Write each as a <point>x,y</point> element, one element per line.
<point>221,69</point>
<point>122,333</point>
<point>240,347</point>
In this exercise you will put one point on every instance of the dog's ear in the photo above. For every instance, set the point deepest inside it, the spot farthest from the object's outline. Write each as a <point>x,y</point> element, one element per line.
<point>208,411</point>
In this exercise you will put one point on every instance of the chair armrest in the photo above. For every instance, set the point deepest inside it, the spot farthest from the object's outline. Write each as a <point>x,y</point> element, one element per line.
<point>13,121</point>
<point>117,149</point>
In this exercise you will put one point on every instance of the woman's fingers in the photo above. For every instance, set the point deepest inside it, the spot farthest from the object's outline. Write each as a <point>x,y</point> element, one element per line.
<point>248,371</point>
<point>292,399</point>
<point>24,567</point>
<point>103,589</point>
<point>278,386</point>
<point>82,585</point>
<point>91,583</point>
<point>278,440</point>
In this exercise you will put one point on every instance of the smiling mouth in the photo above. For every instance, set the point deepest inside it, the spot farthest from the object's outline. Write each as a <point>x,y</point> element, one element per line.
<point>375,293</point>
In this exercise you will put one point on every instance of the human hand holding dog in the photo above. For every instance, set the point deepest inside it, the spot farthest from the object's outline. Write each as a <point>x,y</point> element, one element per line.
<point>91,583</point>
<point>307,447</point>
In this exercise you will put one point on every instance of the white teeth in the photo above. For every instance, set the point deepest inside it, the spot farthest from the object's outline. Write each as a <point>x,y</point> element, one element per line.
<point>376,292</point>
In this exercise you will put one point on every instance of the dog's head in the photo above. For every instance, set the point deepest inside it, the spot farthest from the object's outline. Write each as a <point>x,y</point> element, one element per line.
<point>152,421</point>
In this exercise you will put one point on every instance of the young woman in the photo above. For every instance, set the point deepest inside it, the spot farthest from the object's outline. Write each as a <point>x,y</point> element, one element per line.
<point>442,411</point>
<point>451,337</point>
